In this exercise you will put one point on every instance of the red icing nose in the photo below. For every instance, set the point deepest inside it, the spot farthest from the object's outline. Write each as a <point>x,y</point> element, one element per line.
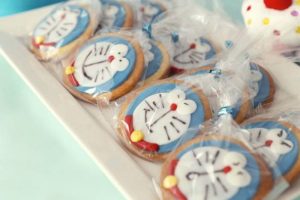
<point>268,143</point>
<point>142,9</point>
<point>193,46</point>
<point>110,58</point>
<point>278,4</point>
<point>227,169</point>
<point>63,16</point>
<point>173,107</point>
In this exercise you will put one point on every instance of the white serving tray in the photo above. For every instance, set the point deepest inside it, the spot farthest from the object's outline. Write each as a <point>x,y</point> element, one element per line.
<point>132,176</point>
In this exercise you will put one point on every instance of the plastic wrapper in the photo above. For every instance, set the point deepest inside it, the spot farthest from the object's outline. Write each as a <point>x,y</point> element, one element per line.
<point>64,29</point>
<point>189,47</point>
<point>113,63</point>
<point>219,164</point>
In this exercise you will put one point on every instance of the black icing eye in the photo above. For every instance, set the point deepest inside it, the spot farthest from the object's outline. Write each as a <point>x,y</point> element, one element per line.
<point>119,53</point>
<point>280,133</point>
<point>120,60</point>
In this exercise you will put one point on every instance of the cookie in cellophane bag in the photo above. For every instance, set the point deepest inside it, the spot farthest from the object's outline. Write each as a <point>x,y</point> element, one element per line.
<point>215,166</point>
<point>65,28</point>
<point>153,118</point>
<point>275,136</point>
<point>117,14</point>
<point>105,68</point>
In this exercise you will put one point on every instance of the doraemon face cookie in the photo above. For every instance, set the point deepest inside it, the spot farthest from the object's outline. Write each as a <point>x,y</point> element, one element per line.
<point>157,117</point>
<point>157,61</point>
<point>150,10</point>
<point>60,29</point>
<point>191,54</point>
<point>262,87</point>
<point>208,81</point>
<point>117,15</point>
<point>278,143</point>
<point>211,168</point>
<point>109,65</point>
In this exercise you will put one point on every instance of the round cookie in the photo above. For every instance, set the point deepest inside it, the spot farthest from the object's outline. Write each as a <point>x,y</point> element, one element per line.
<point>190,54</point>
<point>215,167</point>
<point>207,80</point>
<point>149,10</point>
<point>106,68</point>
<point>157,117</point>
<point>262,86</point>
<point>61,31</point>
<point>157,61</point>
<point>117,14</point>
<point>279,18</point>
<point>277,141</point>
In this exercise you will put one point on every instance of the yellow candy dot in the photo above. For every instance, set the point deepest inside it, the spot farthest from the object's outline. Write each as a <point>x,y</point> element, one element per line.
<point>39,39</point>
<point>169,182</point>
<point>298,30</point>
<point>249,21</point>
<point>136,136</point>
<point>69,70</point>
<point>266,21</point>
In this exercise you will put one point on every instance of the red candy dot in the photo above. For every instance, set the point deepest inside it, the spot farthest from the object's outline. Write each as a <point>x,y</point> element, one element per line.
<point>278,4</point>
<point>227,169</point>
<point>173,107</point>
<point>268,143</point>
<point>249,8</point>
<point>193,46</point>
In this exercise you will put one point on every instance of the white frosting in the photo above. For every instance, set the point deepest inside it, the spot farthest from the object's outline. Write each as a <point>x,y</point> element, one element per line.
<point>159,124</point>
<point>256,76</point>
<point>148,12</point>
<point>258,18</point>
<point>148,55</point>
<point>201,173</point>
<point>110,12</point>
<point>187,57</point>
<point>270,143</point>
<point>99,62</point>
<point>58,25</point>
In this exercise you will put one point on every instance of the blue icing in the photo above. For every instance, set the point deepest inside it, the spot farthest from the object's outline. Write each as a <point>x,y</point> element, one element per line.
<point>236,107</point>
<point>120,16</point>
<point>120,77</point>
<point>286,161</point>
<point>211,53</point>
<point>264,86</point>
<point>154,65</point>
<point>197,117</point>
<point>83,21</point>
<point>252,167</point>
<point>154,5</point>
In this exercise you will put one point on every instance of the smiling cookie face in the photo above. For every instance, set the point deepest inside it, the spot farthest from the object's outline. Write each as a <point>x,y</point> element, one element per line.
<point>162,114</point>
<point>191,54</point>
<point>60,27</point>
<point>104,64</point>
<point>212,169</point>
<point>276,143</point>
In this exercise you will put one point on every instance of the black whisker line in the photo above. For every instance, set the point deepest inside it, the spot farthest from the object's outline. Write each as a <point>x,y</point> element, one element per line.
<point>198,160</point>
<point>221,184</point>
<point>179,120</point>
<point>172,124</point>
<point>158,119</point>
<point>107,50</point>
<point>206,192</point>
<point>148,104</point>
<point>258,136</point>
<point>167,133</point>
<point>161,100</point>
<point>215,157</point>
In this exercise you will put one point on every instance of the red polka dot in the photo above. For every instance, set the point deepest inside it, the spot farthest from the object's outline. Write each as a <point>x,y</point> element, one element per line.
<point>173,107</point>
<point>249,8</point>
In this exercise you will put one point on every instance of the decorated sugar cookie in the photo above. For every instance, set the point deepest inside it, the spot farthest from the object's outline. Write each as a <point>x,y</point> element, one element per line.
<point>262,87</point>
<point>215,168</point>
<point>61,31</point>
<point>206,79</point>
<point>117,14</point>
<point>279,18</point>
<point>149,10</point>
<point>157,61</point>
<point>277,141</point>
<point>156,117</point>
<point>190,54</point>
<point>106,67</point>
